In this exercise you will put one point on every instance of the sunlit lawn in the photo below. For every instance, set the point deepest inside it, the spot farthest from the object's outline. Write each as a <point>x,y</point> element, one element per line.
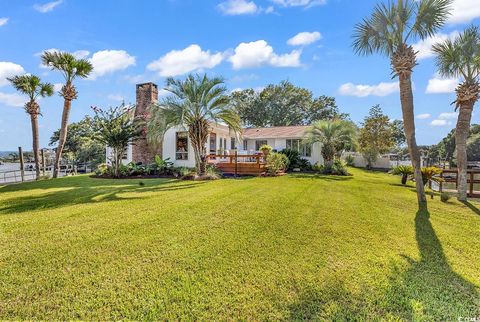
<point>292,247</point>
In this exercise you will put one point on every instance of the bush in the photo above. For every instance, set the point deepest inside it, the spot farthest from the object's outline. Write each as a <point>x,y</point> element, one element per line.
<point>276,162</point>
<point>431,173</point>
<point>104,169</point>
<point>293,158</point>
<point>266,149</point>
<point>135,169</point>
<point>160,166</point>
<point>404,171</point>
<point>444,197</point>
<point>212,173</point>
<point>350,160</point>
<point>183,172</point>
<point>337,167</point>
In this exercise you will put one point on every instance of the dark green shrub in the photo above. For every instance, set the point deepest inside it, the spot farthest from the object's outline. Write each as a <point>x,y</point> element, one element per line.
<point>293,158</point>
<point>350,160</point>
<point>444,197</point>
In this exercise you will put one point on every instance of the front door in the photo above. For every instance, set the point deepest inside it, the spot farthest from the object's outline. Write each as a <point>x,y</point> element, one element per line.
<point>213,143</point>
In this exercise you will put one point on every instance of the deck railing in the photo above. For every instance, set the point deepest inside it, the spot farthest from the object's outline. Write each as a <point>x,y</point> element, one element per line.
<point>238,163</point>
<point>447,176</point>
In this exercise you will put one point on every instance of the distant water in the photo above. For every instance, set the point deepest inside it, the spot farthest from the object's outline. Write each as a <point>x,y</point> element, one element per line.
<point>9,167</point>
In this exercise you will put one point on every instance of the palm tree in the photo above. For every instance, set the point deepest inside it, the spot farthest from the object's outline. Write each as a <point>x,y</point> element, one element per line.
<point>388,31</point>
<point>335,136</point>
<point>32,86</point>
<point>70,67</point>
<point>195,103</point>
<point>461,58</point>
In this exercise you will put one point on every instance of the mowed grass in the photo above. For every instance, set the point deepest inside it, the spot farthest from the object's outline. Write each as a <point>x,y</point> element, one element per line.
<point>298,247</point>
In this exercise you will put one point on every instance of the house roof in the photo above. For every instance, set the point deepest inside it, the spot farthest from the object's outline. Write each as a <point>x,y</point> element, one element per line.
<point>275,132</point>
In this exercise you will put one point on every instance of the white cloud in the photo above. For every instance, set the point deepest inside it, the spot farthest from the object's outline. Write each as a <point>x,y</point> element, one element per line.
<point>259,53</point>
<point>3,21</point>
<point>304,38</point>
<point>382,89</point>
<point>440,123</point>
<point>238,7</point>
<point>423,116</point>
<point>464,11</point>
<point>8,69</point>
<point>424,47</point>
<point>49,6</point>
<point>299,3</point>
<point>14,99</point>
<point>439,85</point>
<point>448,116</point>
<point>108,61</point>
<point>57,87</point>
<point>116,97</point>
<point>80,54</point>
<point>178,62</point>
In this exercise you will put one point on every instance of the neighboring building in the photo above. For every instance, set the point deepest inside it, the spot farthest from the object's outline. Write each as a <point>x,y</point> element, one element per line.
<point>221,140</point>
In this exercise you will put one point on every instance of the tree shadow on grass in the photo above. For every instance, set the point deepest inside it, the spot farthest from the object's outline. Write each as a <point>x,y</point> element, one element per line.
<point>430,289</point>
<point>472,207</point>
<point>321,177</point>
<point>77,192</point>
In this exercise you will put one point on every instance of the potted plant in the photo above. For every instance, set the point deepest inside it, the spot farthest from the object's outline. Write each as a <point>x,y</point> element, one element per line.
<point>266,149</point>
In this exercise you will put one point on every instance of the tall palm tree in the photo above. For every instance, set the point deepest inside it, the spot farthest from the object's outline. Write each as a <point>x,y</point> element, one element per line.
<point>71,68</point>
<point>33,87</point>
<point>194,103</point>
<point>335,136</point>
<point>461,58</point>
<point>389,31</point>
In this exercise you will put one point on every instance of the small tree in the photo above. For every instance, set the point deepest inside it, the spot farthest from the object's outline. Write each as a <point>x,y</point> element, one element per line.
<point>376,136</point>
<point>116,127</point>
<point>335,137</point>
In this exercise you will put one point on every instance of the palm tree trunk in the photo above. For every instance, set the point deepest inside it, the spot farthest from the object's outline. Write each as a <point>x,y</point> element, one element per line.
<point>406,99</point>
<point>461,135</point>
<point>63,136</point>
<point>36,156</point>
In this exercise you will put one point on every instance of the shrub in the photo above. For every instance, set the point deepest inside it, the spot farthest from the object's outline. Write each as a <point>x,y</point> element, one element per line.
<point>183,172</point>
<point>404,171</point>
<point>135,169</point>
<point>276,162</point>
<point>266,149</point>
<point>160,166</point>
<point>431,173</point>
<point>337,167</point>
<point>350,160</point>
<point>293,158</point>
<point>212,173</point>
<point>444,197</point>
<point>103,169</point>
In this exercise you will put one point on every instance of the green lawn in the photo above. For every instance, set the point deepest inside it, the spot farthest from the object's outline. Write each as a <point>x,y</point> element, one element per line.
<point>293,247</point>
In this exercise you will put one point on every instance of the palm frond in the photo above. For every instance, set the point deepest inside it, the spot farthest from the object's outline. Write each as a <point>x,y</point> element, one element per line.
<point>431,16</point>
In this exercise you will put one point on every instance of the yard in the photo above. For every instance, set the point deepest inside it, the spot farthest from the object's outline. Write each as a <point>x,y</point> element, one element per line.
<point>293,247</point>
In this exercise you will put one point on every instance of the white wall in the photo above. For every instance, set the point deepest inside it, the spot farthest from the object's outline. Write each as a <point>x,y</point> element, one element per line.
<point>359,161</point>
<point>109,155</point>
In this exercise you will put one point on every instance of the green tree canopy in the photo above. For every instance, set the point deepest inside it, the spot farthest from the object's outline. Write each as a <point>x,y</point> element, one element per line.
<point>283,104</point>
<point>376,136</point>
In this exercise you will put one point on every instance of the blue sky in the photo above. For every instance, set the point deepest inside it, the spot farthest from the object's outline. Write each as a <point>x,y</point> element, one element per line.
<point>249,42</point>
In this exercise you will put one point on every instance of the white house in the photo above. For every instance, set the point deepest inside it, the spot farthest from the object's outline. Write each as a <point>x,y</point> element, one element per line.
<point>176,144</point>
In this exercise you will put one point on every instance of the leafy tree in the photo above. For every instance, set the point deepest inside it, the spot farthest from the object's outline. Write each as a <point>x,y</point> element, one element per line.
<point>376,136</point>
<point>335,137</point>
<point>389,31</point>
<point>461,58</point>
<point>116,127</point>
<point>195,103</point>
<point>398,133</point>
<point>80,144</point>
<point>283,105</point>
<point>70,68</point>
<point>33,87</point>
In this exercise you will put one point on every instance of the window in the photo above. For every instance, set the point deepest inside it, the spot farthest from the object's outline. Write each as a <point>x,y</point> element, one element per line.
<point>305,150</point>
<point>233,143</point>
<point>213,143</point>
<point>259,143</point>
<point>181,146</point>
<point>245,145</point>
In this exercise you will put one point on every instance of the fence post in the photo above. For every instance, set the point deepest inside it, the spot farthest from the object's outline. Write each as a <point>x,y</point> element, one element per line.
<point>471,183</point>
<point>22,165</point>
<point>43,161</point>
<point>236,163</point>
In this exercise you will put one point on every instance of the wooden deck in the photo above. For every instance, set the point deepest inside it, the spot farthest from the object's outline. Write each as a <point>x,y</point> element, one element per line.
<point>234,164</point>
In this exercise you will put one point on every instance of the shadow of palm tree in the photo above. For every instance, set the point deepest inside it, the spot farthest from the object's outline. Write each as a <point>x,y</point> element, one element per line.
<point>430,289</point>
<point>75,192</point>
<point>472,207</point>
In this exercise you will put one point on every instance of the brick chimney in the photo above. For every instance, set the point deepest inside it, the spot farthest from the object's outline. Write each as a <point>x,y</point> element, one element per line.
<point>147,94</point>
